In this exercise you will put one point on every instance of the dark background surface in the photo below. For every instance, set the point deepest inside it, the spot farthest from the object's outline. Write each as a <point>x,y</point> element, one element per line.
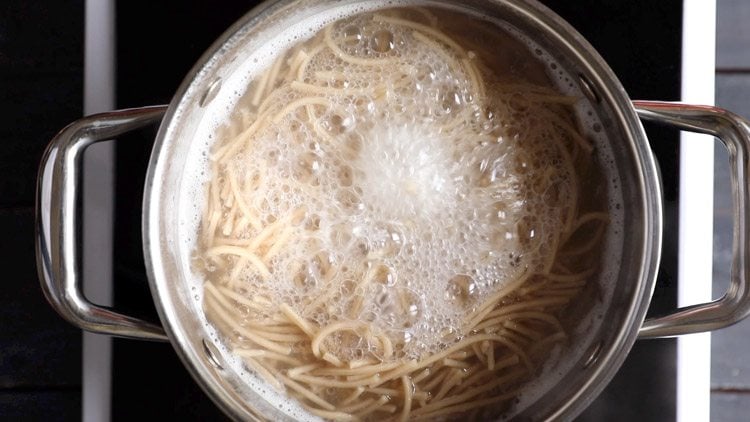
<point>41,90</point>
<point>41,60</point>
<point>644,387</point>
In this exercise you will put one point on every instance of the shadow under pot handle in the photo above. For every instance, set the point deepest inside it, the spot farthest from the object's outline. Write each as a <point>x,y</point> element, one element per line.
<point>734,132</point>
<point>57,225</point>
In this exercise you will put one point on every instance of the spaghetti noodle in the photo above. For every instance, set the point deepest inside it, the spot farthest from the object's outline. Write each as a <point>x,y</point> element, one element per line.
<point>313,235</point>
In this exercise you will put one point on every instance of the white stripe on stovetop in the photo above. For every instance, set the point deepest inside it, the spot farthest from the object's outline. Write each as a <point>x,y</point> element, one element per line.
<point>98,207</point>
<point>695,257</point>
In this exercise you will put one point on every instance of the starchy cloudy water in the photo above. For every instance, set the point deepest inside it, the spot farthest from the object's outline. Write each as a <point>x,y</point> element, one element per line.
<point>404,195</point>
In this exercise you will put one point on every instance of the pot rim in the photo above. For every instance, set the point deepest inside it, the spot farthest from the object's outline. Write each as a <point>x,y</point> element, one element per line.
<point>599,76</point>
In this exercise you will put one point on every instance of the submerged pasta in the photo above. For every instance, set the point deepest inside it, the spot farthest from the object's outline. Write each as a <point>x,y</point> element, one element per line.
<point>394,223</point>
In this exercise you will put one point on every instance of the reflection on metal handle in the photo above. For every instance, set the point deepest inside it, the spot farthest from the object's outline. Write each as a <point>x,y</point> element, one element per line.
<point>57,226</point>
<point>734,132</point>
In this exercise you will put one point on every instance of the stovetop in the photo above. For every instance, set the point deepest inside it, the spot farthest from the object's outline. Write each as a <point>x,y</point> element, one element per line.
<point>158,42</point>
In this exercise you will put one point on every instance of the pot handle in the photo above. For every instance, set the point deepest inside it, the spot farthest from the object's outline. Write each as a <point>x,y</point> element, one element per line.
<point>734,132</point>
<point>57,223</point>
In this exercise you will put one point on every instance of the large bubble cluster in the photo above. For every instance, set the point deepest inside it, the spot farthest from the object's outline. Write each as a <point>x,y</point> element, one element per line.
<point>410,186</point>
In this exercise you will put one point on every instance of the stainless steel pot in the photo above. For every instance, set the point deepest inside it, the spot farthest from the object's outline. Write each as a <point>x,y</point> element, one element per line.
<point>623,322</point>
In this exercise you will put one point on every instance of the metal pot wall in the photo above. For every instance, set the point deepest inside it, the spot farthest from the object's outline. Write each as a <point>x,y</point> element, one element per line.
<point>168,263</point>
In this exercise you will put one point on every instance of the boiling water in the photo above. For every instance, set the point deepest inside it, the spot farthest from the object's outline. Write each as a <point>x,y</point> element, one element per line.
<point>426,196</point>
